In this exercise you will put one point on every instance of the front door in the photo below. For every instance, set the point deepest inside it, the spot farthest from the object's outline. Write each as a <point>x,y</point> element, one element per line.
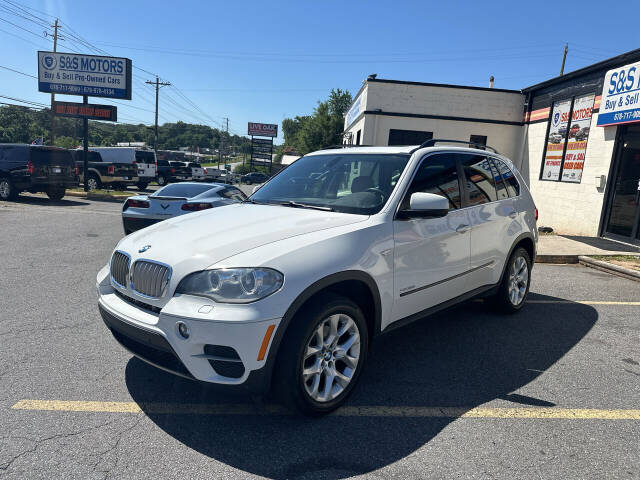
<point>624,208</point>
<point>431,255</point>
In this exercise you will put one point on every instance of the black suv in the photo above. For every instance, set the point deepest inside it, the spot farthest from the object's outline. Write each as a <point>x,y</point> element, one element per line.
<point>34,169</point>
<point>254,177</point>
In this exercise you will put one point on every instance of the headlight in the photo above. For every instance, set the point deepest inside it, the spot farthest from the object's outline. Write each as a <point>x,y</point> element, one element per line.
<point>232,285</point>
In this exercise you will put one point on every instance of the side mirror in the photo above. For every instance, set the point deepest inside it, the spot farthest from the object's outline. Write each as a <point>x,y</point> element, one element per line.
<point>425,205</point>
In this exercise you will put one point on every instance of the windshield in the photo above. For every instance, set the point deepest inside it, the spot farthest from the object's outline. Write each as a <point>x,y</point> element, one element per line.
<point>349,183</point>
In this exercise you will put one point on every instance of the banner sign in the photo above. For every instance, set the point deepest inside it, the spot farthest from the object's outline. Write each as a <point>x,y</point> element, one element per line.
<point>263,141</point>
<point>573,161</point>
<point>555,140</point>
<point>264,156</point>
<point>354,111</point>
<point>91,75</point>
<point>620,96</point>
<point>86,110</point>
<point>263,129</point>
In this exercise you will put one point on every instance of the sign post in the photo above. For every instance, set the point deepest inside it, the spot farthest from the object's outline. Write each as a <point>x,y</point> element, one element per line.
<point>262,148</point>
<point>79,74</point>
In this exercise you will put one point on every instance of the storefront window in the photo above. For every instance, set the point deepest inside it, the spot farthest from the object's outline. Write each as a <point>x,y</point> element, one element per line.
<point>567,139</point>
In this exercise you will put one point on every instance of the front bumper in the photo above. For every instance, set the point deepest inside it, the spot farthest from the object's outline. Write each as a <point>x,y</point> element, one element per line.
<point>223,352</point>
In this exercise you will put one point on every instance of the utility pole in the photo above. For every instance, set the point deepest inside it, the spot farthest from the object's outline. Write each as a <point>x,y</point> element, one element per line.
<point>158,84</point>
<point>564,58</point>
<point>53,95</point>
<point>222,142</point>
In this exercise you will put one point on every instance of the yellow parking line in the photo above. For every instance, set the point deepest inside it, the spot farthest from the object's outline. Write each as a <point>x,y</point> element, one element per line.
<point>586,302</point>
<point>350,411</point>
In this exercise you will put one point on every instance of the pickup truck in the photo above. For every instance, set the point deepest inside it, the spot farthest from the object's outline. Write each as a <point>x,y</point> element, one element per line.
<point>145,160</point>
<point>172,171</point>
<point>103,174</point>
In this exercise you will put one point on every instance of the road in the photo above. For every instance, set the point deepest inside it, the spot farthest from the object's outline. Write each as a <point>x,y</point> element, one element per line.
<point>552,392</point>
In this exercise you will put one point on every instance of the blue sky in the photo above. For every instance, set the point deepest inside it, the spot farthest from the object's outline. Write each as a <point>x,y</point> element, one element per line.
<point>264,61</point>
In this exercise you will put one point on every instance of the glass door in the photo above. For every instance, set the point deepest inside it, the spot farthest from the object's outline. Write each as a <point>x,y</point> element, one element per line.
<point>624,214</point>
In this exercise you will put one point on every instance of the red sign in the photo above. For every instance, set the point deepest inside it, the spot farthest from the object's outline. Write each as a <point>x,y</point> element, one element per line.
<point>86,110</point>
<point>263,129</point>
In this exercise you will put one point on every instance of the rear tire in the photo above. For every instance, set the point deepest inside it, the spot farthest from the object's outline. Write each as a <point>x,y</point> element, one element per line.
<point>93,182</point>
<point>7,190</point>
<point>516,280</point>
<point>317,366</point>
<point>56,193</point>
<point>162,181</point>
<point>142,185</point>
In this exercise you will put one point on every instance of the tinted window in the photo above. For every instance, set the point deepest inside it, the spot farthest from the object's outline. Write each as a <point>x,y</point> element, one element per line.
<point>511,182</point>
<point>232,193</point>
<point>480,181</point>
<point>436,174</point>
<point>187,190</point>
<point>45,156</point>
<point>501,187</point>
<point>145,157</point>
<point>163,163</point>
<point>408,137</point>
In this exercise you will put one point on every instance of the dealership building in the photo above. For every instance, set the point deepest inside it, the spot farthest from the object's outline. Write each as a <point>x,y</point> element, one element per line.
<point>575,138</point>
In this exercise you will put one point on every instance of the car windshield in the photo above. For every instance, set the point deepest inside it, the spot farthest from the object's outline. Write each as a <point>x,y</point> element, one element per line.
<point>186,190</point>
<point>349,183</point>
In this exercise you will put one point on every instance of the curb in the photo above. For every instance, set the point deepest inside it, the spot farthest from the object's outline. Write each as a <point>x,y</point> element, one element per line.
<point>610,268</point>
<point>98,196</point>
<point>556,259</point>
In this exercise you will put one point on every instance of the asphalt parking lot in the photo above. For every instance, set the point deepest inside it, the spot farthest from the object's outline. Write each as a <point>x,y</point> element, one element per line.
<point>552,392</point>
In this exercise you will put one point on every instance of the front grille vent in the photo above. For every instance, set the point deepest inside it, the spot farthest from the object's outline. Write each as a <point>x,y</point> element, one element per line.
<point>150,279</point>
<point>120,269</point>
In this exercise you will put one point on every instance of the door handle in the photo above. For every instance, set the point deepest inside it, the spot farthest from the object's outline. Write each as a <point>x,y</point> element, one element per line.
<point>463,228</point>
<point>513,214</point>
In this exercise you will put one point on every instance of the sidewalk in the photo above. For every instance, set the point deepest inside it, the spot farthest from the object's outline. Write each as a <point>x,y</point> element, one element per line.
<point>567,249</point>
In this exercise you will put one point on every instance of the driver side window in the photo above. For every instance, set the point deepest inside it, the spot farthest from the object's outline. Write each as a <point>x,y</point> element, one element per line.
<point>436,174</point>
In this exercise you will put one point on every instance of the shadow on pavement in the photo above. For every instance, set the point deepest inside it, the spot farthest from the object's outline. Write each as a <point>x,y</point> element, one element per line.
<point>463,357</point>
<point>41,201</point>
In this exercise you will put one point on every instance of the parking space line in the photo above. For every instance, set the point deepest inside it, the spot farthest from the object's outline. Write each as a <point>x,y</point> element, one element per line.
<point>585,302</point>
<point>349,411</point>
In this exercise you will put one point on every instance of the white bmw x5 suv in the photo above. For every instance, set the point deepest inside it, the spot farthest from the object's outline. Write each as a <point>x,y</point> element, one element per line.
<point>291,286</point>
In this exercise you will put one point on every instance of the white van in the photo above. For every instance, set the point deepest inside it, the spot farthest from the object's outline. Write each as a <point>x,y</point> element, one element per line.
<point>144,159</point>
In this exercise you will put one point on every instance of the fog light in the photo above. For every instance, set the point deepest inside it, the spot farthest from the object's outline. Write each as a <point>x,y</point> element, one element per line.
<point>183,330</point>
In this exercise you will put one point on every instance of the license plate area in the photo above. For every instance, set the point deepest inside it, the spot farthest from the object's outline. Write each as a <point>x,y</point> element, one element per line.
<point>56,170</point>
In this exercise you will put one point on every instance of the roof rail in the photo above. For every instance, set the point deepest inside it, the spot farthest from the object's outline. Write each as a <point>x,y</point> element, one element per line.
<point>343,145</point>
<point>432,141</point>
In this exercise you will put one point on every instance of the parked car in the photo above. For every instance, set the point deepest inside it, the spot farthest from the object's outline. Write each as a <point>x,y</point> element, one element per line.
<point>197,171</point>
<point>104,174</point>
<point>218,175</point>
<point>172,171</point>
<point>254,177</point>
<point>291,286</point>
<point>30,168</point>
<point>583,134</point>
<point>140,211</point>
<point>143,159</point>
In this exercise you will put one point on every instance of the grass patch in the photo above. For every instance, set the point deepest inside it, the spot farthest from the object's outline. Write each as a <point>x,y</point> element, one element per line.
<point>101,191</point>
<point>627,261</point>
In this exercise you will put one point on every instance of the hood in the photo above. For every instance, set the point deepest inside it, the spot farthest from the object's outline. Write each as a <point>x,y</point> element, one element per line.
<point>198,240</point>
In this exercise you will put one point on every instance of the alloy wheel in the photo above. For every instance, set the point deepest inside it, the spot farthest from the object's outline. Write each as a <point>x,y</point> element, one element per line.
<point>331,357</point>
<point>518,280</point>
<point>92,183</point>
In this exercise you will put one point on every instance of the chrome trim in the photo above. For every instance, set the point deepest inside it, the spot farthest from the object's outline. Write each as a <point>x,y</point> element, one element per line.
<point>113,280</point>
<point>424,287</point>
<point>163,287</point>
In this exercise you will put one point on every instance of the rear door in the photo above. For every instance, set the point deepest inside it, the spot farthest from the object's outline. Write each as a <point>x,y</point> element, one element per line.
<point>431,255</point>
<point>51,163</point>
<point>493,217</point>
<point>146,162</point>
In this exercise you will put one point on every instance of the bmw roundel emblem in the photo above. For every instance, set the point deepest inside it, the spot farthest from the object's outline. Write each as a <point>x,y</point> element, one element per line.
<point>144,249</point>
<point>49,62</point>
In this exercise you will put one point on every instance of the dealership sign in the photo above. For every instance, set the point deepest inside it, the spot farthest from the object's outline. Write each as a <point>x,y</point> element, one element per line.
<point>263,129</point>
<point>91,75</point>
<point>620,96</point>
<point>354,111</point>
<point>85,110</point>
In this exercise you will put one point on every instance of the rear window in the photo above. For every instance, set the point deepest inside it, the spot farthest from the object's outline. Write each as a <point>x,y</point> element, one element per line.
<point>176,164</point>
<point>42,156</point>
<point>145,157</point>
<point>186,190</point>
<point>194,165</point>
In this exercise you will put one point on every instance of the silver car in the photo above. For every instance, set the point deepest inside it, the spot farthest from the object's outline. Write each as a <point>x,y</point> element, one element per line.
<point>175,199</point>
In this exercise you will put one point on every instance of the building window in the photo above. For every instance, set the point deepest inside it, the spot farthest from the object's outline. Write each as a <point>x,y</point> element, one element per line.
<point>408,137</point>
<point>358,137</point>
<point>478,139</point>
<point>566,144</point>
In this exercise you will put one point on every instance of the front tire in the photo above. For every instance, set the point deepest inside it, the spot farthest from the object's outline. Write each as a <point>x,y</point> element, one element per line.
<point>323,355</point>
<point>7,190</point>
<point>93,182</point>
<point>514,287</point>
<point>162,181</point>
<point>142,185</point>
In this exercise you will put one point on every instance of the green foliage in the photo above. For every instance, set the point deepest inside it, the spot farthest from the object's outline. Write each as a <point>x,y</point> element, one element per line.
<point>247,168</point>
<point>22,125</point>
<point>322,129</point>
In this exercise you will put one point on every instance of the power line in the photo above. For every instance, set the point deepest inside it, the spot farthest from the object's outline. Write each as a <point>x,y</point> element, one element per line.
<point>18,71</point>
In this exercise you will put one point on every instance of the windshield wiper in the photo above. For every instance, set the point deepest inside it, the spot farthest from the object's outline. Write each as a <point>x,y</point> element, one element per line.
<point>293,204</point>
<point>248,200</point>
